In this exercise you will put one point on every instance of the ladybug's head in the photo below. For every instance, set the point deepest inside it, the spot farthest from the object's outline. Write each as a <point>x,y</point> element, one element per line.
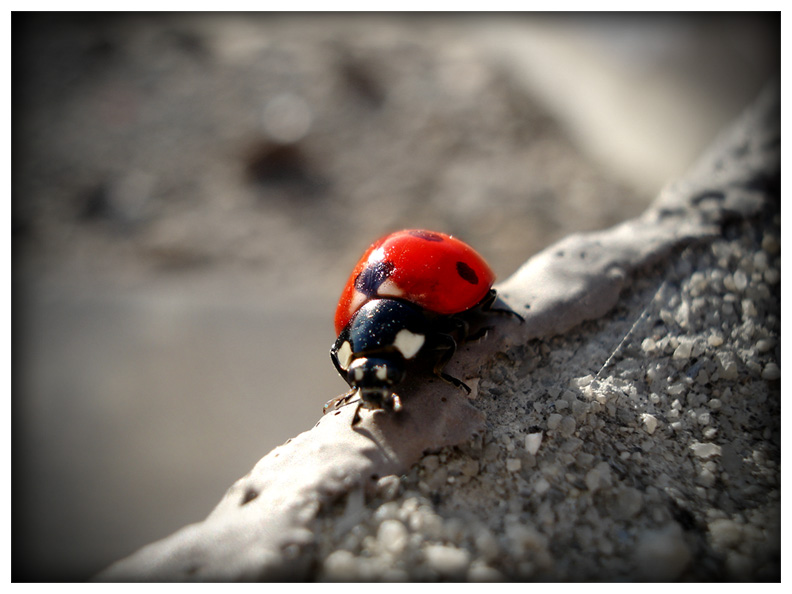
<point>375,379</point>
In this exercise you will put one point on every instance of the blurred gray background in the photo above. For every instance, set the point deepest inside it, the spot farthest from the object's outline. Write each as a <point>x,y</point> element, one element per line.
<point>191,191</point>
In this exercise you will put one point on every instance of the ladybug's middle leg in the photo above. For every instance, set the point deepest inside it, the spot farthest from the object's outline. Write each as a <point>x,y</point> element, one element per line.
<point>446,347</point>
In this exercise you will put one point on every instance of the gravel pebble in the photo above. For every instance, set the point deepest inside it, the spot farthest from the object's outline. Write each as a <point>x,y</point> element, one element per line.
<point>662,555</point>
<point>649,422</point>
<point>447,561</point>
<point>553,421</point>
<point>598,477</point>
<point>532,442</point>
<point>705,450</point>
<point>771,372</point>
<point>725,533</point>
<point>392,536</point>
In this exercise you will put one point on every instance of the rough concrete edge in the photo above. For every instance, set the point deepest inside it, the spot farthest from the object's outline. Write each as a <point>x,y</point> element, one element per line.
<point>262,527</point>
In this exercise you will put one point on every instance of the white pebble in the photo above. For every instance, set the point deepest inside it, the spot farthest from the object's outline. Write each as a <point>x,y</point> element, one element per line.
<point>705,450</point>
<point>705,478</point>
<point>771,244</point>
<point>715,340</point>
<point>582,382</point>
<point>754,367</point>
<point>392,536</point>
<point>649,345</point>
<point>749,309</point>
<point>682,315</point>
<point>541,486</point>
<point>727,364</point>
<point>598,477</point>
<point>740,280</point>
<point>683,350</point>
<point>676,389</point>
<point>426,522</point>
<point>532,442</point>
<point>725,533</point>
<point>445,560</point>
<point>629,501</point>
<point>728,283</point>
<point>772,276</point>
<point>760,261</point>
<point>340,566</point>
<point>771,372</point>
<point>567,426</point>
<point>513,464</point>
<point>387,511</point>
<point>650,423</point>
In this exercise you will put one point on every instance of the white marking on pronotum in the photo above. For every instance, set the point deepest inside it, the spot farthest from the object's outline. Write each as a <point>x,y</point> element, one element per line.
<point>344,355</point>
<point>389,289</point>
<point>408,343</point>
<point>358,372</point>
<point>381,372</point>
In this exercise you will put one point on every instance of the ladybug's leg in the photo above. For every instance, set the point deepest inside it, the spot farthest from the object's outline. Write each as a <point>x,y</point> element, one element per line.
<point>462,330</point>
<point>486,306</point>
<point>480,333</point>
<point>356,417</point>
<point>396,403</point>
<point>338,402</point>
<point>447,347</point>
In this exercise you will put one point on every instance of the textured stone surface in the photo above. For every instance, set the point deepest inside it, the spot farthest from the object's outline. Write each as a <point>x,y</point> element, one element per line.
<point>601,496</point>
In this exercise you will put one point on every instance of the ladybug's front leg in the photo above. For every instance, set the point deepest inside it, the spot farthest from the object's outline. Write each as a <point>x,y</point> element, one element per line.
<point>485,305</point>
<point>338,401</point>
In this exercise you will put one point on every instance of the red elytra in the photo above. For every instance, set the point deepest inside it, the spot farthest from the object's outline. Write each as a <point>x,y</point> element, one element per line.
<point>430,269</point>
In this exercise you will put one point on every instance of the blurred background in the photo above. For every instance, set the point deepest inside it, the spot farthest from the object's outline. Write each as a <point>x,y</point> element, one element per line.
<point>190,192</point>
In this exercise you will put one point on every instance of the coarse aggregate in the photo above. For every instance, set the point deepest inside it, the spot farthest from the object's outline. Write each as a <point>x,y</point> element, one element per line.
<point>643,446</point>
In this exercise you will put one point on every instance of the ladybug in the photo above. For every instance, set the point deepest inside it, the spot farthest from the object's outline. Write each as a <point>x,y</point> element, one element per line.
<point>405,306</point>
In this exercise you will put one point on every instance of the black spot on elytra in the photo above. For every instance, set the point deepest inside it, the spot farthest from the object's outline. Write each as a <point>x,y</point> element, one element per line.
<point>467,273</point>
<point>427,235</point>
<point>369,280</point>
